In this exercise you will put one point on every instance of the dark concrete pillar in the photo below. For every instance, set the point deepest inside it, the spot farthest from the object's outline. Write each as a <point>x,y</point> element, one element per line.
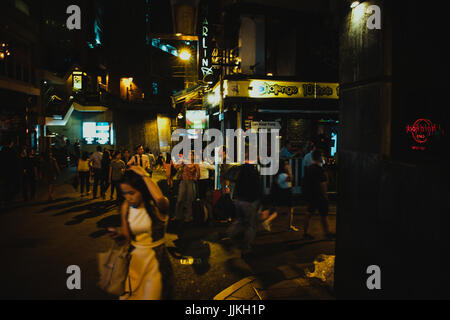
<point>392,204</point>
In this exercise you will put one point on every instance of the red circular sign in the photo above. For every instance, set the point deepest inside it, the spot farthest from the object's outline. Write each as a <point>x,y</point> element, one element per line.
<point>421,130</point>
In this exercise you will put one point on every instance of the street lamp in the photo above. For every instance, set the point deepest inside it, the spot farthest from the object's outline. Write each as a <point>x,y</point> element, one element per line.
<point>185,55</point>
<point>4,52</point>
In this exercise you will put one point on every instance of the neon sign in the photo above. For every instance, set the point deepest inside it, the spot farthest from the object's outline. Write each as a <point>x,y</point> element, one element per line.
<point>205,59</point>
<point>277,89</point>
<point>421,131</point>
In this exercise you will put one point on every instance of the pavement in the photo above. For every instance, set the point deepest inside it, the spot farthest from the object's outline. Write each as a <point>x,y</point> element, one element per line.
<point>41,239</point>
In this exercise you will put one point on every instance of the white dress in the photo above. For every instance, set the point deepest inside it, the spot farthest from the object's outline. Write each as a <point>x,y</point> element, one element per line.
<point>144,275</point>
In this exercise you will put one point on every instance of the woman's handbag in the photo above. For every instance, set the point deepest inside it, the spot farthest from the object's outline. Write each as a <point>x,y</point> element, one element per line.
<point>113,269</point>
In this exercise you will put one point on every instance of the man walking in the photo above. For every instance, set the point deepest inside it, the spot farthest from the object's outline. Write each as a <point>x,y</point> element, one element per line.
<point>307,159</point>
<point>315,191</point>
<point>96,161</point>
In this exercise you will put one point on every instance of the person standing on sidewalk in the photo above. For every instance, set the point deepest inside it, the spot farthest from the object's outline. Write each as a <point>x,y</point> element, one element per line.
<point>315,191</point>
<point>96,162</point>
<point>190,173</point>
<point>204,187</point>
<point>83,170</point>
<point>116,172</point>
<point>106,163</point>
<point>170,170</point>
<point>151,160</point>
<point>126,156</point>
<point>10,170</point>
<point>30,174</point>
<point>140,159</point>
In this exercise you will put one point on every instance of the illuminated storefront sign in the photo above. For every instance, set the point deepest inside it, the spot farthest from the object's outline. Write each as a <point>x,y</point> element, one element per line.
<point>204,45</point>
<point>277,89</point>
<point>286,89</point>
<point>205,58</point>
<point>257,125</point>
<point>77,80</point>
<point>421,131</point>
<point>196,119</point>
<point>98,133</point>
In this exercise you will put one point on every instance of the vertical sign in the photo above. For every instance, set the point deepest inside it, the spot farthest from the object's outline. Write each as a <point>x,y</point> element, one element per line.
<point>205,62</point>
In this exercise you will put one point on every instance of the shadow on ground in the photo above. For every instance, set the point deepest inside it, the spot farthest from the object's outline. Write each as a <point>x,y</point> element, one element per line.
<point>94,210</point>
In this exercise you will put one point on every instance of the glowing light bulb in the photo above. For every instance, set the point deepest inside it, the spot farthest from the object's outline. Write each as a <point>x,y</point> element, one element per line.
<point>185,55</point>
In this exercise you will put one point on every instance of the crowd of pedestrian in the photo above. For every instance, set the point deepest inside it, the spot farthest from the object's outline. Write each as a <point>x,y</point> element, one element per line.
<point>190,193</point>
<point>190,184</point>
<point>21,169</point>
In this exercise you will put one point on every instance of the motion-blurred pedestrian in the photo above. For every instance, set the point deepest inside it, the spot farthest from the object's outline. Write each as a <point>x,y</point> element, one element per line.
<point>284,180</point>
<point>106,163</point>
<point>116,172</point>
<point>83,170</point>
<point>248,195</point>
<point>316,196</point>
<point>30,174</point>
<point>50,171</point>
<point>96,163</point>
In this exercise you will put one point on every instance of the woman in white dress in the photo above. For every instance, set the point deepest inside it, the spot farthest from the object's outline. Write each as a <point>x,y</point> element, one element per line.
<point>144,220</point>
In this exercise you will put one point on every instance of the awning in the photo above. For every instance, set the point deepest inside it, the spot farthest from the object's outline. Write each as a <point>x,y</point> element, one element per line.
<point>75,106</point>
<point>187,94</point>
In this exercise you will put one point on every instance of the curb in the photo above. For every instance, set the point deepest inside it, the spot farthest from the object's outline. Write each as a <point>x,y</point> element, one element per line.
<point>288,275</point>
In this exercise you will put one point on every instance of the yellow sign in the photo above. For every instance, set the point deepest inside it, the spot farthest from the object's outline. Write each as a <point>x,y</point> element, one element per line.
<point>282,89</point>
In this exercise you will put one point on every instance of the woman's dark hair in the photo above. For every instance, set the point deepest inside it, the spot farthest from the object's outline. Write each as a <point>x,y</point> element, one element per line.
<point>135,181</point>
<point>106,157</point>
<point>138,146</point>
<point>248,184</point>
<point>85,156</point>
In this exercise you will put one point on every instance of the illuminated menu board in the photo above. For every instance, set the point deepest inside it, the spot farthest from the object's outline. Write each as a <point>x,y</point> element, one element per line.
<point>77,81</point>
<point>97,132</point>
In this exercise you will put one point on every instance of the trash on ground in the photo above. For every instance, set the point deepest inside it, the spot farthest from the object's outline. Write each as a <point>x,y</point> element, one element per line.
<point>190,261</point>
<point>324,269</point>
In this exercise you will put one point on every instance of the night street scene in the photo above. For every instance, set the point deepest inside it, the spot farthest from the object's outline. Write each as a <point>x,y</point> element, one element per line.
<point>244,151</point>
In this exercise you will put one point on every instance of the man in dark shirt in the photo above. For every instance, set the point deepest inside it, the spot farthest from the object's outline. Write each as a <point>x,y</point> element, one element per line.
<point>248,194</point>
<point>315,192</point>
